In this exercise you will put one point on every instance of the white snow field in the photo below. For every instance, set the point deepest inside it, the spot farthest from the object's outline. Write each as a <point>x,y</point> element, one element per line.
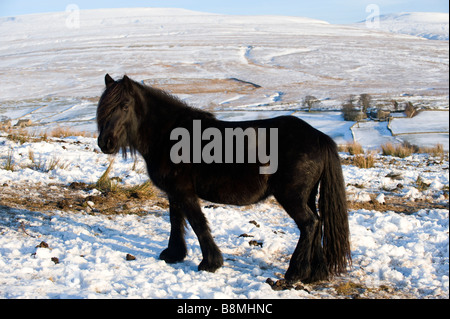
<point>242,67</point>
<point>398,255</point>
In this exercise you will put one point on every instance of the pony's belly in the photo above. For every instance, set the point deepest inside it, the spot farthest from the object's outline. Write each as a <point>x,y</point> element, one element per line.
<point>233,199</point>
<point>233,193</point>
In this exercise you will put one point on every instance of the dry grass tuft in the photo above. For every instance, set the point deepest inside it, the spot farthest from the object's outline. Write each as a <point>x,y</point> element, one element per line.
<point>406,149</point>
<point>9,164</point>
<point>353,148</point>
<point>364,160</point>
<point>61,132</point>
<point>437,150</point>
<point>398,150</point>
<point>105,183</point>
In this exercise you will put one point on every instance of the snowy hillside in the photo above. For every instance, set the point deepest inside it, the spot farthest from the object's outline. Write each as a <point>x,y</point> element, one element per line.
<point>64,240</point>
<point>55,63</point>
<point>429,25</point>
<point>196,54</point>
<point>64,236</point>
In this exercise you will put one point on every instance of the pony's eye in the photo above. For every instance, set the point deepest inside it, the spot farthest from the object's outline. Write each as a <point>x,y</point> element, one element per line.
<point>125,107</point>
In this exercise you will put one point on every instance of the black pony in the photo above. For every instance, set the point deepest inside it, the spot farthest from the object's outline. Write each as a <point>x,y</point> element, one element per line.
<point>137,118</point>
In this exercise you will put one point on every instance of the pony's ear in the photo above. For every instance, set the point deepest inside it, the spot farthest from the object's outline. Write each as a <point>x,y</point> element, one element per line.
<point>127,83</point>
<point>108,80</point>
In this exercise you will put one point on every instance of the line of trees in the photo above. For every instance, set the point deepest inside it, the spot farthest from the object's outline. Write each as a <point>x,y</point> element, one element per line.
<point>357,108</point>
<point>360,107</point>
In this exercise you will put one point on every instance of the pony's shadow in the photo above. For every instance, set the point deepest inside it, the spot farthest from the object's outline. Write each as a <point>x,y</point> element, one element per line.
<point>42,225</point>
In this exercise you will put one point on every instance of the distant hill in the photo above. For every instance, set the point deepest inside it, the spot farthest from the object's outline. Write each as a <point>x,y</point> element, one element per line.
<point>429,25</point>
<point>214,60</point>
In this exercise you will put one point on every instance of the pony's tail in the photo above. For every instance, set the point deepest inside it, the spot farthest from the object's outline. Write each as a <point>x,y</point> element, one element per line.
<point>333,211</point>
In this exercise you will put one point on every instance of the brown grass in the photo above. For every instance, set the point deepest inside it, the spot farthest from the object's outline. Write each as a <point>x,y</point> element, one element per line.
<point>47,198</point>
<point>364,160</point>
<point>406,149</point>
<point>23,135</point>
<point>353,148</point>
<point>437,150</point>
<point>398,150</point>
<point>360,158</point>
<point>105,183</point>
<point>9,164</point>
<point>61,132</point>
<point>202,86</point>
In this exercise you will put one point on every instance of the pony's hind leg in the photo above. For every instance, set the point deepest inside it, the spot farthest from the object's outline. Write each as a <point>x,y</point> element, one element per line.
<point>307,262</point>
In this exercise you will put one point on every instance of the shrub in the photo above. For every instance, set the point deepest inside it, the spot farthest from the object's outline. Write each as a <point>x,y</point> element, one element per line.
<point>365,101</point>
<point>410,110</point>
<point>310,101</point>
<point>351,111</point>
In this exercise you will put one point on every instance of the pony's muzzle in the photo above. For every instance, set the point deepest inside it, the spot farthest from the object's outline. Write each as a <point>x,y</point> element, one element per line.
<point>106,144</point>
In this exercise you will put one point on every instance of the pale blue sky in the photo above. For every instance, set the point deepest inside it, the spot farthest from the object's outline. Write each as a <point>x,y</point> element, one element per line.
<point>343,11</point>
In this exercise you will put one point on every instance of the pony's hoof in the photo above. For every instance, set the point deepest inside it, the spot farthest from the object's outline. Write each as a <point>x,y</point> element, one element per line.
<point>311,278</point>
<point>211,266</point>
<point>293,276</point>
<point>172,256</point>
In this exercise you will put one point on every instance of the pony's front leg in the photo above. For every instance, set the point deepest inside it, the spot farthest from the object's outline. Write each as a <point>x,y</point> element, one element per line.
<point>176,251</point>
<point>212,257</point>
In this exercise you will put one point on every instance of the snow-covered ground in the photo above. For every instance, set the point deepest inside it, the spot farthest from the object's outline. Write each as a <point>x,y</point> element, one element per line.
<point>242,68</point>
<point>407,254</point>
<point>395,254</point>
